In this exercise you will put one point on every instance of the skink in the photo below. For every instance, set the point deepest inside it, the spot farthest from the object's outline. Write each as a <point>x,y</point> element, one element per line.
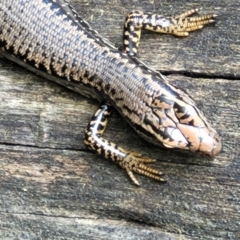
<point>50,39</point>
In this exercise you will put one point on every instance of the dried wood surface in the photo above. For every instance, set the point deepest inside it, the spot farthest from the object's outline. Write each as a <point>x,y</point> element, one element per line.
<point>52,187</point>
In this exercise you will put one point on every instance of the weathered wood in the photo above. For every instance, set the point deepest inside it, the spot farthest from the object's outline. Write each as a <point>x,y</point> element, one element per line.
<point>52,187</point>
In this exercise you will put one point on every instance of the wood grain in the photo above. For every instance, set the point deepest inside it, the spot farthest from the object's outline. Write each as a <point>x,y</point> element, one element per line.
<point>52,187</point>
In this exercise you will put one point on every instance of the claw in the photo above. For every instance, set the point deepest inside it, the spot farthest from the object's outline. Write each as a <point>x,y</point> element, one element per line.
<point>135,162</point>
<point>188,13</point>
<point>183,24</point>
<point>131,175</point>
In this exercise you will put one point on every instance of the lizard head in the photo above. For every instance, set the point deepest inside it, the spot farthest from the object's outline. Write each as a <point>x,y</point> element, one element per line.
<point>173,120</point>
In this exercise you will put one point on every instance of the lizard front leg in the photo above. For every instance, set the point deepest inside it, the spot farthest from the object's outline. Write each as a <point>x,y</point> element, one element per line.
<point>179,26</point>
<point>130,161</point>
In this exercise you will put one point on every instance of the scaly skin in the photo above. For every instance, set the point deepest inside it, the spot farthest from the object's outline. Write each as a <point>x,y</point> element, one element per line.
<point>47,37</point>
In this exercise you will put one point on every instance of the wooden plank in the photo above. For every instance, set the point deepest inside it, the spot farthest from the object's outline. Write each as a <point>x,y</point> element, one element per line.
<point>52,187</point>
